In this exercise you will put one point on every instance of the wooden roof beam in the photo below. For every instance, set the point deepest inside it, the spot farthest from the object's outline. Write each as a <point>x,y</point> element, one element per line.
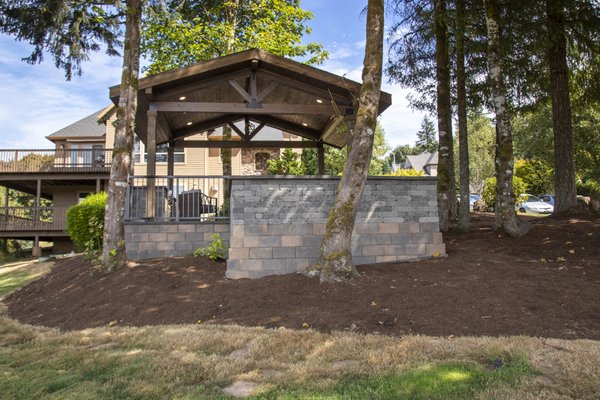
<point>205,126</point>
<point>290,127</point>
<point>242,144</point>
<point>241,108</point>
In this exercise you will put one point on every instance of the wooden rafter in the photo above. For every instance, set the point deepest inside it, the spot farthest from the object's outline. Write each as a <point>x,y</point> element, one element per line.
<point>242,144</point>
<point>241,108</point>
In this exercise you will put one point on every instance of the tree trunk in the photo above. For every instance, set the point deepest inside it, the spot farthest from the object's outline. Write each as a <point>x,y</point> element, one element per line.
<point>463,137</point>
<point>505,198</point>
<point>564,167</point>
<point>445,185</point>
<point>113,249</point>
<point>232,8</point>
<point>335,259</point>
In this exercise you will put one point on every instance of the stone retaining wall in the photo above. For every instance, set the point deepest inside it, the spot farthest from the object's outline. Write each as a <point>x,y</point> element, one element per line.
<point>277,223</point>
<point>167,239</point>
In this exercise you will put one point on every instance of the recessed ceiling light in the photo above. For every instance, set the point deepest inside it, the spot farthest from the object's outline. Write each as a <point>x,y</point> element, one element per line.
<point>304,124</point>
<point>189,123</point>
<point>319,101</point>
<point>182,98</point>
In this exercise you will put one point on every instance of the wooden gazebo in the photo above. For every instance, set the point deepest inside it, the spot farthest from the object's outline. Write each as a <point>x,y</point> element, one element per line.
<point>255,86</point>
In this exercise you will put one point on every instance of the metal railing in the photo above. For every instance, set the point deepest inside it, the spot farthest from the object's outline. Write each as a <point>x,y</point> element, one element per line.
<point>177,198</point>
<point>55,160</point>
<point>33,219</point>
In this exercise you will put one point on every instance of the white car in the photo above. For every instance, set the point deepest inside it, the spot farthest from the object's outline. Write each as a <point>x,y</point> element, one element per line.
<point>530,204</point>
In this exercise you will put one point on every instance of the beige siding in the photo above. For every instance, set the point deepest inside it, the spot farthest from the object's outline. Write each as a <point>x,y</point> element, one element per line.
<point>69,195</point>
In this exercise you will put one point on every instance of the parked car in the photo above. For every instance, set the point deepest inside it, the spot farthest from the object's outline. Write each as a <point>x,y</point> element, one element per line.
<point>547,198</point>
<point>531,204</point>
<point>472,199</point>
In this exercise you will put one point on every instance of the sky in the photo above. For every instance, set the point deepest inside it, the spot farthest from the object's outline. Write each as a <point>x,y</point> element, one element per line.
<point>36,100</point>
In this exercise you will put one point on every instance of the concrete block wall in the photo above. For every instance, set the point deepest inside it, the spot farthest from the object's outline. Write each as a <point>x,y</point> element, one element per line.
<point>168,239</point>
<point>277,223</point>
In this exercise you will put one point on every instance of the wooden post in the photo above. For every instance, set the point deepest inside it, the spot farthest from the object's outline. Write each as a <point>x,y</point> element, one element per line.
<point>6,200</point>
<point>170,166</point>
<point>38,195</point>
<point>97,185</point>
<point>151,164</point>
<point>36,250</point>
<point>321,158</point>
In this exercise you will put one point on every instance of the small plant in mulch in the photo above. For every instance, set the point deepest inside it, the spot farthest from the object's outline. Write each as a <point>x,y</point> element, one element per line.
<point>214,251</point>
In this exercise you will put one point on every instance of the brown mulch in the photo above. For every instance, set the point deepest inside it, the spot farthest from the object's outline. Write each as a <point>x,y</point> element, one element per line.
<point>544,284</point>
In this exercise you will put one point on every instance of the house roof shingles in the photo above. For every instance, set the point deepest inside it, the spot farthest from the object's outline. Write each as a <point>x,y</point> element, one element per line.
<point>85,127</point>
<point>420,161</point>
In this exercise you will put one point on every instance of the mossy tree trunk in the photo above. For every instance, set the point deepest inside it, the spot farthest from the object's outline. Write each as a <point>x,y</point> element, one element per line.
<point>335,258</point>
<point>445,185</point>
<point>231,12</point>
<point>461,101</point>
<point>505,198</point>
<point>564,166</point>
<point>113,247</point>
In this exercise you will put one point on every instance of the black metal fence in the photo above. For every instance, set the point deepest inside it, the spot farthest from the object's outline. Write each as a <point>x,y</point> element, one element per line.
<point>55,160</point>
<point>178,198</point>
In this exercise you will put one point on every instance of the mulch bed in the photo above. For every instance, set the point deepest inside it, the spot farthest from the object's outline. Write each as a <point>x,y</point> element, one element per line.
<point>544,284</point>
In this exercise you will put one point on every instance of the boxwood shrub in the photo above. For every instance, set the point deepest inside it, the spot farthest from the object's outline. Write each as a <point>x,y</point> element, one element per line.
<point>85,223</point>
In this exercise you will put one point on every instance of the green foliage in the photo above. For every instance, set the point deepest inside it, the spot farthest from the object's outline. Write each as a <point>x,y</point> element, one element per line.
<point>380,148</point>
<point>489,190</point>
<point>85,223</point>
<point>587,188</point>
<point>286,164</point>
<point>406,172</point>
<point>214,251</point>
<point>427,137</point>
<point>537,175</point>
<point>69,31</point>
<point>185,33</point>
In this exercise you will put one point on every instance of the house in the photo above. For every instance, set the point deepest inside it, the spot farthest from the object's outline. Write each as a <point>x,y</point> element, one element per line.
<point>177,196</point>
<point>79,164</point>
<point>426,162</point>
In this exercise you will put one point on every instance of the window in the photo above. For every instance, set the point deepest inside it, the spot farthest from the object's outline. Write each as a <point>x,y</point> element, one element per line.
<point>260,161</point>
<point>161,152</point>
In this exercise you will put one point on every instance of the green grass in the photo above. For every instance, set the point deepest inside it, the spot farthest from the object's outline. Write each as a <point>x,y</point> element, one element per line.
<point>447,381</point>
<point>195,362</point>
<point>13,276</point>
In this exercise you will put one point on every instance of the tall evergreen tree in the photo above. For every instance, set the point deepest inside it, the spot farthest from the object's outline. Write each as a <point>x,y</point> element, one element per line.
<point>505,200</point>
<point>445,183</point>
<point>426,136</point>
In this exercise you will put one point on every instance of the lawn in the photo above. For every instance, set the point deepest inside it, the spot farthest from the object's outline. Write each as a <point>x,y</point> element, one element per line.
<point>196,361</point>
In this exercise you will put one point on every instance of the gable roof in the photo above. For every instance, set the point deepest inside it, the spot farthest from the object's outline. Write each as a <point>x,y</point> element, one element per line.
<point>419,161</point>
<point>87,127</point>
<point>291,96</point>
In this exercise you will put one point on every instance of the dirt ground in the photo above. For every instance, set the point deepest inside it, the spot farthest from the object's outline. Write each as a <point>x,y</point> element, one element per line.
<point>544,284</point>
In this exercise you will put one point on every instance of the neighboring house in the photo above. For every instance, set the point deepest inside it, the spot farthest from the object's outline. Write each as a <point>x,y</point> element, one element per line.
<point>426,162</point>
<point>79,165</point>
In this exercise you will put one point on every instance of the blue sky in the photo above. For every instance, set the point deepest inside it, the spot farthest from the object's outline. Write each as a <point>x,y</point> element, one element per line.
<point>35,100</point>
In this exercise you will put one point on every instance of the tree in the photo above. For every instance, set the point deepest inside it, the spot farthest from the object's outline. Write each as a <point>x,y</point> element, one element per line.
<point>564,171</point>
<point>426,136</point>
<point>445,184</point>
<point>189,32</point>
<point>113,244</point>
<point>286,164</point>
<point>505,199</point>
<point>68,30</point>
<point>335,256</point>
<point>463,136</point>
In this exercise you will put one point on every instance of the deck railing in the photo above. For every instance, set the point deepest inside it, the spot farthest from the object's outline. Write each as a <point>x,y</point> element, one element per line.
<point>177,198</point>
<point>33,219</point>
<point>55,160</point>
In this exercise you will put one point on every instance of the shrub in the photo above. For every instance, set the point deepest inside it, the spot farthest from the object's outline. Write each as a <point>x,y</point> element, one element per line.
<point>537,175</point>
<point>406,172</point>
<point>587,188</point>
<point>85,223</point>
<point>214,251</point>
<point>489,190</point>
